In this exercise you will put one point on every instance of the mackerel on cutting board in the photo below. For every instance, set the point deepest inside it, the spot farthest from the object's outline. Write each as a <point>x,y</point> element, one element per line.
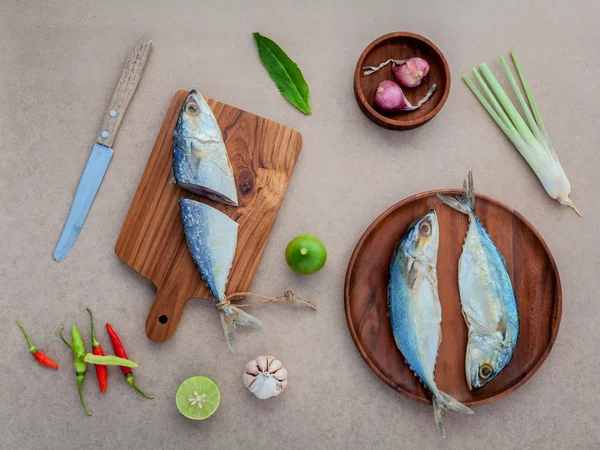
<point>263,154</point>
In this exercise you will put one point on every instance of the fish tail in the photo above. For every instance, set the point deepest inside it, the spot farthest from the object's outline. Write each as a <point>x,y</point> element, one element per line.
<point>443,402</point>
<point>438,408</point>
<point>232,316</point>
<point>465,203</point>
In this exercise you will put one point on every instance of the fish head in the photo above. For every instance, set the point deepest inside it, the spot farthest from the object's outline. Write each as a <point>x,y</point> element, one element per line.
<point>196,120</point>
<point>486,356</point>
<point>423,238</point>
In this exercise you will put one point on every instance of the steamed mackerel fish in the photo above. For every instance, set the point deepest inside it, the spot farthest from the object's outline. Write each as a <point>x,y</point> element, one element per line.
<point>212,240</point>
<point>415,310</point>
<point>487,297</point>
<point>200,161</point>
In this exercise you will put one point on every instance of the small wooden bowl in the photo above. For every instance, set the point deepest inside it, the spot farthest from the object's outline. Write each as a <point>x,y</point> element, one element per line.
<point>402,45</point>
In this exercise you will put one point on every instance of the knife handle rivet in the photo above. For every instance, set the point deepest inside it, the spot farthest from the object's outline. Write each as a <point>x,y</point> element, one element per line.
<point>104,134</point>
<point>112,113</point>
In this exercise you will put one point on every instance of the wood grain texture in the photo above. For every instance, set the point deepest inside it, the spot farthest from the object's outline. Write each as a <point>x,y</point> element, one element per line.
<point>531,268</point>
<point>402,45</point>
<point>130,78</point>
<point>263,155</point>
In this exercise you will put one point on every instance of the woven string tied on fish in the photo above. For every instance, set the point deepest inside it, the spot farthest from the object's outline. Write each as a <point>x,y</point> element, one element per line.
<point>288,296</point>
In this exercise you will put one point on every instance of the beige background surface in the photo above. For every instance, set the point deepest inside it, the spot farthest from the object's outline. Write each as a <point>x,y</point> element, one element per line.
<point>59,64</point>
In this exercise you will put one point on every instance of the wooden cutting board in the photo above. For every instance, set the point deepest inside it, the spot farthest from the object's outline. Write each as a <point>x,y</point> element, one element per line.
<point>263,154</point>
<point>531,268</point>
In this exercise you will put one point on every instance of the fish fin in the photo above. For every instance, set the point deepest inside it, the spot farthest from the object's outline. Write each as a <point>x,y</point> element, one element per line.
<point>455,202</point>
<point>450,403</point>
<point>230,317</point>
<point>465,317</point>
<point>465,203</point>
<point>412,273</point>
<point>431,276</point>
<point>469,190</point>
<point>502,326</point>
<point>438,409</point>
<point>442,402</point>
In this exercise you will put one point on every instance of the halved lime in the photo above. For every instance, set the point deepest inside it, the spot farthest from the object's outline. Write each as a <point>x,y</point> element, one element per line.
<point>198,398</point>
<point>306,254</point>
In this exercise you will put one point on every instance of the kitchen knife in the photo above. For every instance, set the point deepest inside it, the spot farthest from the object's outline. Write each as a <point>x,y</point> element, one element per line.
<point>102,150</point>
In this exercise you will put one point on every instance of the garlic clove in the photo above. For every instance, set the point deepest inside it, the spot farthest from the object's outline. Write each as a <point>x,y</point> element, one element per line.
<point>261,362</point>
<point>281,374</point>
<point>275,365</point>
<point>252,368</point>
<point>270,360</point>
<point>249,379</point>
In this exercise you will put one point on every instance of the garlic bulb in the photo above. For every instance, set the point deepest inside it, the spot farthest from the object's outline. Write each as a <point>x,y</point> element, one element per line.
<point>265,377</point>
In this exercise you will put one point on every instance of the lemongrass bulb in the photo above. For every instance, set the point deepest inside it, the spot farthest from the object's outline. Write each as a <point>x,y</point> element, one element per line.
<point>555,182</point>
<point>410,72</point>
<point>265,377</point>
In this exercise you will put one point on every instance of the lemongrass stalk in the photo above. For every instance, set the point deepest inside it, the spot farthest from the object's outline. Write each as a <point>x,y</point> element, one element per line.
<point>536,111</point>
<point>534,107</point>
<point>493,101</point>
<point>486,105</point>
<point>530,138</point>
<point>510,109</point>
<point>499,116</point>
<point>532,123</point>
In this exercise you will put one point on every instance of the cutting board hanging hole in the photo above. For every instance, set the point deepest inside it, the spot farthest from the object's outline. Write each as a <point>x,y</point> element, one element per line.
<point>163,319</point>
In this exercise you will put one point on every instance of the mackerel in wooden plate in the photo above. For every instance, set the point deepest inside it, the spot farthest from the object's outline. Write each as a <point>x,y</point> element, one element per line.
<point>531,268</point>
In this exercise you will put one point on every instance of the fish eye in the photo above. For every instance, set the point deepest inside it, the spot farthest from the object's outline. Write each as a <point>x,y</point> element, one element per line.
<point>192,109</point>
<point>485,371</point>
<point>425,229</point>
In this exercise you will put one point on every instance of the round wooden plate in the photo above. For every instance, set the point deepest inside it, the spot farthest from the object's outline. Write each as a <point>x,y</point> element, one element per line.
<point>531,268</point>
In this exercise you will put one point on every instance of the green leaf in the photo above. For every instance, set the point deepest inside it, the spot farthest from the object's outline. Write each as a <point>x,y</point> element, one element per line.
<point>284,72</point>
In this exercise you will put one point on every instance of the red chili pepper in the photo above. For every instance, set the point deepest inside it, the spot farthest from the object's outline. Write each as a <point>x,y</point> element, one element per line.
<point>39,356</point>
<point>120,352</point>
<point>101,371</point>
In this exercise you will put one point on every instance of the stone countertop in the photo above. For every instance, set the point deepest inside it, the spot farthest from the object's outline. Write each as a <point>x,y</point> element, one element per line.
<point>59,64</point>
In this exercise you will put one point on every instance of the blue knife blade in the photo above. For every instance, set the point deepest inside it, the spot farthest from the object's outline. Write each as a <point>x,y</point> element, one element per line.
<point>84,197</point>
<point>102,151</point>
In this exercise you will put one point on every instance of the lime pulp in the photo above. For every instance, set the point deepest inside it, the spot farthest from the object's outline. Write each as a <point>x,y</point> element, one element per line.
<point>198,398</point>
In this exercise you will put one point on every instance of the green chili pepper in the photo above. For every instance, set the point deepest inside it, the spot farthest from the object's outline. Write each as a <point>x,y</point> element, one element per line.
<point>109,360</point>
<point>78,349</point>
<point>81,358</point>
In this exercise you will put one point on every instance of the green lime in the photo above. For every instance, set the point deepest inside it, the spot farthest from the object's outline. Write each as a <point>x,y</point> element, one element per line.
<point>306,254</point>
<point>198,398</point>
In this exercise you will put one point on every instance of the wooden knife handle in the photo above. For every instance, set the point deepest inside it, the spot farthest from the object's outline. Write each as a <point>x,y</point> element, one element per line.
<point>165,313</point>
<point>127,84</point>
